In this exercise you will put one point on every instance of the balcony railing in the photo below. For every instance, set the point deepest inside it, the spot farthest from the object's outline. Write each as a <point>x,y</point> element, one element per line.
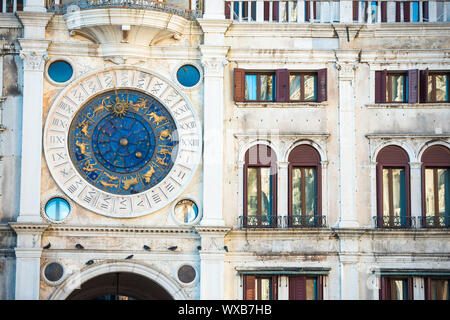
<point>395,222</point>
<point>324,11</point>
<point>305,221</point>
<point>61,7</point>
<point>435,221</point>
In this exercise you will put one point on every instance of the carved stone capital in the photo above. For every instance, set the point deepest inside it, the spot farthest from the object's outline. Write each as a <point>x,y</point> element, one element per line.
<point>214,67</point>
<point>346,69</point>
<point>33,60</point>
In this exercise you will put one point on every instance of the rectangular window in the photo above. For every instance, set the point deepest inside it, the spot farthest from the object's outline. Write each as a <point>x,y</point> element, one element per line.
<point>437,196</point>
<point>437,87</point>
<point>396,288</point>
<point>437,289</point>
<point>259,197</point>
<point>305,288</point>
<point>259,86</point>
<point>260,287</point>
<point>396,87</point>
<point>284,11</point>
<point>415,11</point>
<point>293,11</point>
<point>394,197</point>
<point>373,11</point>
<point>303,86</point>
<point>304,196</point>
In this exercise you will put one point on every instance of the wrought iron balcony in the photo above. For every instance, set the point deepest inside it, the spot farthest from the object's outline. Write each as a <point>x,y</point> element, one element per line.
<point>305,221</point>
<point>435,221</point>
<point>62,7</point>
<point>395,222</point>
<point>259,221</point>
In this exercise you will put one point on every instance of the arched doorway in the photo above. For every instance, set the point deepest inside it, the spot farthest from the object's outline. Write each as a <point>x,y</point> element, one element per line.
<point>136,281</point>
<point>120,286</point>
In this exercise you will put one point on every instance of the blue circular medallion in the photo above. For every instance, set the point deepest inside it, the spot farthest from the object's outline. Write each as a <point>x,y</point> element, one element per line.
<point>123,142</point>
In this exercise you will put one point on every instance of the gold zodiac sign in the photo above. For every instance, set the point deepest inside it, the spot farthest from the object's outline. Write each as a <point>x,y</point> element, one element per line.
<point>164,152</point>
<point>140,104</point>
<point>101,107</point>
<point>165,134</point>
<point>89,167</point>
<point>161,161</point>
<point>148,175</point>
<point>110,177</point>
<point>106,184</point>
<point>127,183</point>
<point>156,119</point>
<point>84,126</point>
<point>82,147</point>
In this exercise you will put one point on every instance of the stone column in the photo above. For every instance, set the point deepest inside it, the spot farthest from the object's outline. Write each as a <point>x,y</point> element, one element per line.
<point>213,60</point>
<point>346,64</point>
<point>416,191</point>
<point>28,259</point>
<point>283,190</point>
<point>33,53</point>
<point>348,264</point>
<point>212,256</point>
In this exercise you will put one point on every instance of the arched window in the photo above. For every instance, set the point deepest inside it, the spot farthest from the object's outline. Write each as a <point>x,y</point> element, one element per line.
<point>436,187</point>
<point>304,187</point>
<point>260,187</point>
<point>393,190</point>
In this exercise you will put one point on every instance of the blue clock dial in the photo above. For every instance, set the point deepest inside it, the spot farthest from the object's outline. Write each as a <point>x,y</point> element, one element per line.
<point>123,142</point>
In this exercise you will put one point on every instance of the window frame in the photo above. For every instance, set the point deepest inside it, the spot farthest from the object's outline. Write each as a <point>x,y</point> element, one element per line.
<point>389,86</point>
<point>391,162</point>
<point>303,161</point>
<point>257,286</point>
<point>258,84</point>
<point>427,288</point>
<point>386,282</point>
<point>302,75</point>
<point>273,181</point>
<point>432,94</point>
<point>437,161</point>
<point>318,288</point>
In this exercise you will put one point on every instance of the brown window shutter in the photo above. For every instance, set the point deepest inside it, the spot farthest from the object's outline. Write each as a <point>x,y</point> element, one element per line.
<point>282,78</point>
<point>406,11</point>
<point>266,11</point>
<point>274,287</point>
<point>355,10</point>
<point>423,86</point>
<point>249,287</point>
<point>410,288</point>
<point>413,81</point>
<point>436,156</point>
<point>314,10</point>
<point>227,9</point>
<point>245,10</point>
<point>275,12</point>
<point>384,288</point>
<point>320,288</point>
<point>307,10</point>
<point>321,85</point>
<point>297,288</point>
<point>383,11</point>
<point>380,86</point>
<point>425,11</point>
<point>239,85</point>
<point>397,12</point>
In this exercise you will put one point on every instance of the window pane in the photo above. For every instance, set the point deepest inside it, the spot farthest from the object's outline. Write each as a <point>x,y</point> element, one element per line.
<point>397,83</point>
<point>441,87</point>
<point>373,11</point>
<point>311,289</point>
<point>294,87</point>
<point>429,192</point>
<point>310,87</point>
<point>415,11</point>
<point>252,198</point>
<point>293,11</point>
<point>430,97</point>
<point>266,194</point>
<point>386,192</point>
<point>310,191</point>
<point>284,11</point>
<point>296,191</point>
<point>265,289</point>
<point>266,87</point>
<point>398,191</point>
<point>250,87</point>
<point>439,289</point>
<point>443,191</point>
<point>398,290</point>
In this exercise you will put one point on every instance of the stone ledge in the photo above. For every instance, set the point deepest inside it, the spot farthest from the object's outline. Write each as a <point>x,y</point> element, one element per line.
<point>278,105</point>
<point>408,106</point>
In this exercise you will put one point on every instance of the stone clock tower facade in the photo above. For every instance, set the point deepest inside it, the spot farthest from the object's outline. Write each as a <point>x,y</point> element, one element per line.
<point>189,149</point>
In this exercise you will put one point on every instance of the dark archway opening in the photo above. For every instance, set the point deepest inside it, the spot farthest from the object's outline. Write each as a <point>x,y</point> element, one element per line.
<point>120,286</point>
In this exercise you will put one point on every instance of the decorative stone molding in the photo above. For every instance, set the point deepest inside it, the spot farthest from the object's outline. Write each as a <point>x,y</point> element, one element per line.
<point>213,60</point>
<point>212,238</point>
<point>28,234</point>
<point>33,60</point>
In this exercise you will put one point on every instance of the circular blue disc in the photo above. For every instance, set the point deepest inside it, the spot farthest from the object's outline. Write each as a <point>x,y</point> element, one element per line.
<point>188,75</point>
<point>60,71</point>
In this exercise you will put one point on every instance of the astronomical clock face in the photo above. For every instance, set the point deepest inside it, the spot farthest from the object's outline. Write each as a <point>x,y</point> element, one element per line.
<point>122,143</point>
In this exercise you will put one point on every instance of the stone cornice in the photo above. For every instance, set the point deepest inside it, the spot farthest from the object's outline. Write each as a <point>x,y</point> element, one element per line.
<point>214,25</point>
<point>265,135</point>
<point>212,230</point>
<point>9,21</point>
<point>389,57</point>
<point>121,229</point>
<point>416,106</point>
<point>407,136</point>
<point>23,227</point>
